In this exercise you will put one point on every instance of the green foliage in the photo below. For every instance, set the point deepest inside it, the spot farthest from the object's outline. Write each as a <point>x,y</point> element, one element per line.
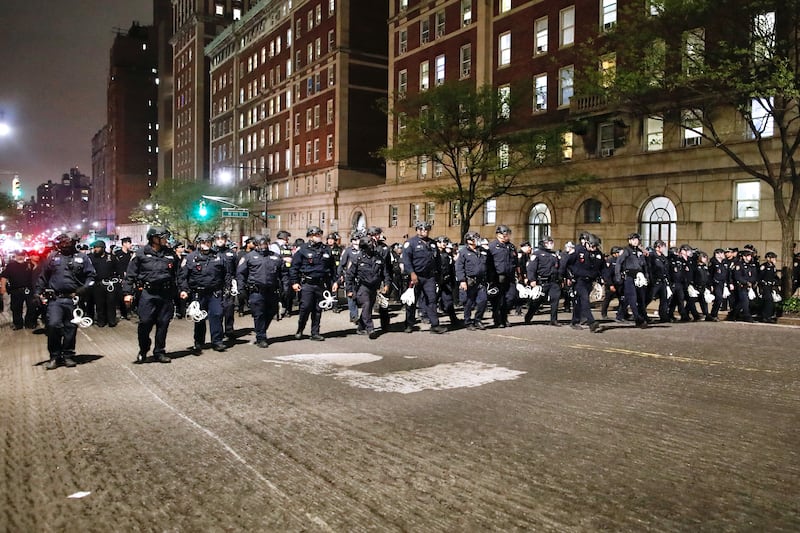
<point>791,306</point>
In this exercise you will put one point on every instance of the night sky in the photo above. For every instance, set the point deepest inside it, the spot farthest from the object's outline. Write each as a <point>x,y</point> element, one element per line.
<point>53,76</point>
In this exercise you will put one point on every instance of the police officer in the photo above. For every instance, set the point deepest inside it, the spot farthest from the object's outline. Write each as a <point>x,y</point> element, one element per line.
<point>347,256</point>
<point>248,245</point>
<point>18,281</point>
<point>631,272</point>
<point>607,273</point>
<point>263,274</point>
<point>311,274</point>
<point>103,295</point>
<point>474,267</point>
<point>204,277</point>
<point>524,253</point>
<point>154,269</point>
<point>228,255</point>
<point>382,250</point>
<point>447,279</point>
<point>680,277</point>
<point>745,279</point>
<point>283,248</point>
<point>365,276</point>
<point>583,267</point>
<point>543,271</point>
<point>66,273</point>
<point>120,258</point>
<point>421,264</point>
<point>718,270</point>
<point>332,240</point>
<point>504,256</point>
<point>769,283</point>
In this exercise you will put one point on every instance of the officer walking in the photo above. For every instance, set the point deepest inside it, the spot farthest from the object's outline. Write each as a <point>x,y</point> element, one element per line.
<point>421,262</point>
<point>745,278</point>
<point>382,250</point>
<point>228,255</point>
<point>282,247</point>
<point>542,271</point>
<point>632,274</point>
<point>248,245</point>
<point>769,283</point>
<point>312,271</point>
<point>154,268</point>
<point>103,297</point>
<point>347,256</point>
<point>262,273</point>
<point>365,275</point>
<point>583,266</point>
<point>447,279</point>
<point>504,256</point>
<point>121,257</point>
<point>204,276</point>
<point>659,279</point>
<point>18,281</point>
<point>680,277</point>
<point>474,267</point>
<point>66,274</point>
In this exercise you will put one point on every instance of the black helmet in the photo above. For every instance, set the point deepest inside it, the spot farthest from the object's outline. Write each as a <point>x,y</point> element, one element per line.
<point>374,230</point>
<point>472,236</point>
<point>502,228</point>
<point>157,231</point>
<point>593,240</point>
<point>334,236</point>
<point>247,239</point>
<point>220,234</point>
<point>313,230</point>
<point>261,239</point>
<point>357,235</point>
<point>634,235</point>
<point>443,239</point>
<point>65,240</point>
<point>202,237</point>
<point>283,234</point>
<point>365,244</point>
<point>584,236</point>
<point>422,224</point>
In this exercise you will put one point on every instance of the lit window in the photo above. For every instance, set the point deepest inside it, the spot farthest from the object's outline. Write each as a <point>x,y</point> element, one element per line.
<point>402,82</point>
<point>424,30</point>
<point>490,212</point>
<point>761,115</point>
<point>608,69</point>
<point>424,72</point>
<point>606,139</point>
<point>423,167</point>
<point>219,9</point>
<point>237,13</point>
<point>764,35</point>
<point>402,38</point>
<point>465,56</point>
<point>692,127</point>
<point>503,156</point>
<point>504,49</point>
<point>466,12</point>
<point>567,139</point>
<point>540,92</point>
<point>608,14</point>
<point>439,70</point>
<point>565,85</point>
<point>505,5</point>
<point>504,97</point>
<point>694,50</point>
<point>654,133</point>
<point>329,148</point>
<point>440,24</point>
<point>540,36</point>
<point>748,197</point>
<point>567,32</point>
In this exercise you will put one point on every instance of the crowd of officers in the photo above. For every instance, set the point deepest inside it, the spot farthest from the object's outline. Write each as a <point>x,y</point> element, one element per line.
<point>207,281</point>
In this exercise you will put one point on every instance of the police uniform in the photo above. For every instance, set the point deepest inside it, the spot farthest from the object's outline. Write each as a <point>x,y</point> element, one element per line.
<point>631,264</point>
<point>447,278</point>
<point>103,298</point>
<point>382,250</point>
<point>349,255</point>
<point>19,285</point>
<point>284,250</point>
<point>263,274</point>
<point>680,277</point>
<point>474,267</point>
<point>155,272</point>
<point>420,257</point>
<point>745,279</point>
<point>120,259</point>
<point>768,282</point>
<point>701,280</point>
<point>65,273</point>
<point>365,275</point>
<point>228,300</point>
<point>312,269</point>
<point>204,276</point>
<point>659,282</point>
<point>583,267</point>
<point>542,270</point>
<point>504,256</point>
<point>719,272</point>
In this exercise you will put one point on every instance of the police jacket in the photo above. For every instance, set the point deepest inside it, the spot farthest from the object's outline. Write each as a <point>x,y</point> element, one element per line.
<point>584,264</point>
<point>768,275</point>
<point>701,277</point>
<point>367,270</point>
<point>155,270</point>
<point>659,268</point>
<point>204,272</point>
<point>474,264</point>
<point>228,256</point>
<point>608,270</point>
<point>420,256</point>
<point>312,263</point>
<point>348,255</point>
<point>745,274</point>
<point>680,270</point>
<point>447,267</point>
<point>262,271</point>
<point>630,262</point>
<point>719,271</point>
<point>103,265</point>
<point>65,273</point>
<point>121,260</point>
<point>504,256</point>
<point>543,266</point>
<point>19,275</point>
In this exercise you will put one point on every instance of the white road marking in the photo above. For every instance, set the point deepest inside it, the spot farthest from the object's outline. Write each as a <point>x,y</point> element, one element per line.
<point>79,494</point>
<point>445,376</point>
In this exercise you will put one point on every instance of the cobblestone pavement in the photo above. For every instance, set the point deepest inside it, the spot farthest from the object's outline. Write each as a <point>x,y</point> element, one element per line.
<point>683,427</point>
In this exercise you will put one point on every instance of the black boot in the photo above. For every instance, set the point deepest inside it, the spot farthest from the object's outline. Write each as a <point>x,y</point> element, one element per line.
<point>52,364</point>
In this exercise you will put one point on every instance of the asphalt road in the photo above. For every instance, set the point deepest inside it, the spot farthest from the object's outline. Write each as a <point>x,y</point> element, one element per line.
<point>685,427</point>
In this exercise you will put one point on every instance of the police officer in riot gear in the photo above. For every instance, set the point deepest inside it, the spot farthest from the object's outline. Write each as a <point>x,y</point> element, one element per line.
<point>447,279</point>
<point>382,250</point>
<point>632,274</point>
<point>504,256</point>
<point>680,277</point>
<point>66,273</point>
<point>204,277</point>
<point>583,267</point>
<point>263,274</point>
<point>542,270</point>
<point>154,269</point>
<point>228,255</point>
<point>421,262</point>
<point>474,267</point>
<point>365,276</point>
<point>311,274</point>
<point>283,248</point>
<point>659,266</point>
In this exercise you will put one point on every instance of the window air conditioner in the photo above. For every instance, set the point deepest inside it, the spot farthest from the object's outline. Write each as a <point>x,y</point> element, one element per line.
<point>541,49</point>
<point>465,72</point>
<point>608,26</point>
<point>606,152</point>
<point>693,141</point>
<point>424,39</point>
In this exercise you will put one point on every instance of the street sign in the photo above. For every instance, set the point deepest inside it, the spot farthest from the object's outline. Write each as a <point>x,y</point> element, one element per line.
<point>228,212</point>
<point>271,217</point>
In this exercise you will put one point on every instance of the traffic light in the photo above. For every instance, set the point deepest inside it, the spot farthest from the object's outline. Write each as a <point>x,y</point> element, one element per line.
<point>202,210</point>
<point>16,189</point>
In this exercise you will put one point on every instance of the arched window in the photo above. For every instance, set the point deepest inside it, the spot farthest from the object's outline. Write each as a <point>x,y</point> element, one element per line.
<point>658,221</point>
<point>591,211</point>
<point>538,223</point>
<point>359,222</point>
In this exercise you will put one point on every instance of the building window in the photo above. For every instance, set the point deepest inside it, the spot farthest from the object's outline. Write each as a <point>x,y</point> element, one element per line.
<point>694,44</point>
<point>761,116</point>
<point>503,156</point>
<point>764,36</point>
<point>439,70</point>
<point>455,213</point>
<point>591,211</point>
<point>318,14</point>
<point>567,140</point>
<point>423,167</point>
<point>424,30</point>
<point>466,12</point>
<point>440,24</point>
<point>692,127</point>
<point>465,58</point>
<point>331,6</point>
<point>490,212</point>
<point>505,5</point>
<point>538,222</point>
<point>237,13</point>
<point>424,76</point>
<point>540,36</point>
<point>394,216</point>
<point>540,93</point>
<point>567,26</point>
<point>608,14</point>
<point>430,213</point>
<point>504,49</point>
<point>219,10</point>
<point>329,112</point>
<point>608,69</point>
<point>402,38</point>
<point>606,139</point>
<point>308,152</point>
<point>316,150</point>
<point>565,85</point>
<point>659,222</point>
<point>653,133</point>
<point>748,199</point>
<point>329,148</point>
<point>403,5</point>
<point>504,99</point>
<point>414,211</point>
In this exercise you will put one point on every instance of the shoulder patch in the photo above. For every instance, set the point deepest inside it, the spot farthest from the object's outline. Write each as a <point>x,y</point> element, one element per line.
<point>406,244</point>
<point>242,260</point>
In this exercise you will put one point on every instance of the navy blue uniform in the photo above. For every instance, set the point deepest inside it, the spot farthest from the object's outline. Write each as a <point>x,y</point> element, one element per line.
<point>155,272</point>
<point>205,277</point>
<point>680,275</point>
<point>542,270</point>
<point>104,299</point>
<point>313,268</point>
<point>659,281</point>
<point>474,268</point>
<point>720,273</point>
<point>745,278</point>
<point>365,275</point>
<point>64,274</point>
<point>228,300</point>
<point>421,256</point>
<point>768,282</point>
<point>264,275</point>
<point>504,257</point>
<point>447,279</point>
<point>19,285</point>
<point>630,264</point>
<point>583,267</point>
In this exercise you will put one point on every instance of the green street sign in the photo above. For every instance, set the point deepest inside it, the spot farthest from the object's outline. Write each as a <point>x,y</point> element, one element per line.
<point>235,213</point>
<point>271,217</point>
